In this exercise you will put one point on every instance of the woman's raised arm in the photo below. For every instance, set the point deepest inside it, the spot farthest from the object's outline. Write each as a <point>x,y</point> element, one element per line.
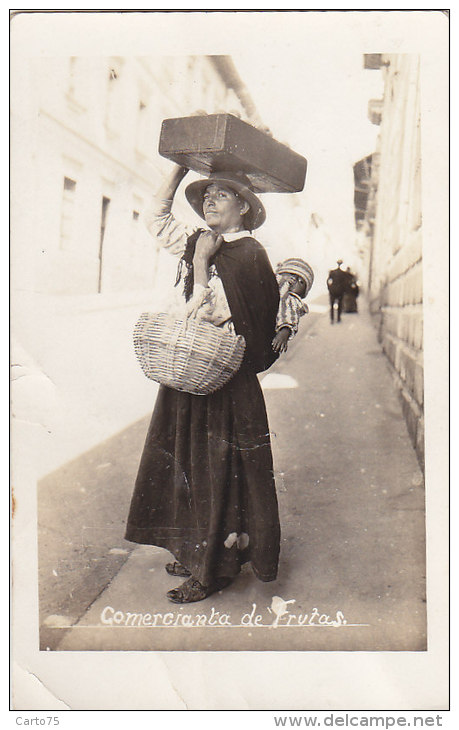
<point>171,183</point>
<point>159,220</point>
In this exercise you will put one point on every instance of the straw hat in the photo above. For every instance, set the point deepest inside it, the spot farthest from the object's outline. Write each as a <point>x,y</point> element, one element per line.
<point>240,184</point>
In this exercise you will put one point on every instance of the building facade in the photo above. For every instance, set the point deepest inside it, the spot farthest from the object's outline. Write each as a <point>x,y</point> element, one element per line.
<point>92,161</point>
<point>391,225</point>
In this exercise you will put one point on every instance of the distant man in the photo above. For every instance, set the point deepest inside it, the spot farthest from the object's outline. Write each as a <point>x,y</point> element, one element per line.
<point>337,282</point>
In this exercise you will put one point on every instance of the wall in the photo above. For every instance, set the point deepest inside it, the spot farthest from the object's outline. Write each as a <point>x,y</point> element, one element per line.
<point>394,219</point>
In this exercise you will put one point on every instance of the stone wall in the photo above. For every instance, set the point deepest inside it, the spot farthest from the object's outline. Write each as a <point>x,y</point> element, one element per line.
<point>395,266</point>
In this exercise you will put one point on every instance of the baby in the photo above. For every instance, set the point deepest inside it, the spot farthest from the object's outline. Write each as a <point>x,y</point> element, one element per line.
<point>295,278</point>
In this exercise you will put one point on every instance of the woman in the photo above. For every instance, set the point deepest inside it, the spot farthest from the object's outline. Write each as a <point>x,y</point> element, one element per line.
<point>205,487</point>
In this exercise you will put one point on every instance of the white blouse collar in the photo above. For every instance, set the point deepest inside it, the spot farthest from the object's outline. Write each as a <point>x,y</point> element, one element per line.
<point>235,235</point>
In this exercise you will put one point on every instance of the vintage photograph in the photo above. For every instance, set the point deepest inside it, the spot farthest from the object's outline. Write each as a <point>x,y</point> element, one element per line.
<point>219,329</point>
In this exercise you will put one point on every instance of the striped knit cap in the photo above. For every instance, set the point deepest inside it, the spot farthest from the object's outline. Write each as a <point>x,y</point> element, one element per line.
<point>299,267</point>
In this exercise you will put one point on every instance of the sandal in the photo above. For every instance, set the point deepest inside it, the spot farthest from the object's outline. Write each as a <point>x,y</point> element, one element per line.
<point>192,590</point>
<point>177,568</point>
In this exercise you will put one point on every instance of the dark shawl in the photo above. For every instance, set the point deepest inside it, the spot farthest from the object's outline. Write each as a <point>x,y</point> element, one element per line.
<point>253,297</point>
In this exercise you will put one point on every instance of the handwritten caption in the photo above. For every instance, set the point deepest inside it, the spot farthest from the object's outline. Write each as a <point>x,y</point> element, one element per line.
<point>278,614</point>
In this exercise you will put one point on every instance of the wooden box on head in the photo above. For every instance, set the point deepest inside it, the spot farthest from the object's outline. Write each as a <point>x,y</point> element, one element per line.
<point>217,142</point>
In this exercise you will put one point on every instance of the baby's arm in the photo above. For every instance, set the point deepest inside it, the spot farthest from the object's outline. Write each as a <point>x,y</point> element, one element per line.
<point>281,338</point>
<point>286,321</point>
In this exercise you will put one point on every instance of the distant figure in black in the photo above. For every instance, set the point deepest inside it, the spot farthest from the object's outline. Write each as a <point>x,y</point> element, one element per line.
<point>351,293</point>
<point>337,283</point>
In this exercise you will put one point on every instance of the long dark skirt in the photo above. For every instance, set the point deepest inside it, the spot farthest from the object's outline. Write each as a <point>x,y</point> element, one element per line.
<point>205,488</point>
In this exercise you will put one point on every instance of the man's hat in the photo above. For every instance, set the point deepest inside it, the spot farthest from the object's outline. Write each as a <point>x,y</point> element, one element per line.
<point>299,267</point>
<point>240,184</point>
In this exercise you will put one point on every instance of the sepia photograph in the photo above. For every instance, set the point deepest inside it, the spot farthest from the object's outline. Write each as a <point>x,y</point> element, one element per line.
<point>229,324</point>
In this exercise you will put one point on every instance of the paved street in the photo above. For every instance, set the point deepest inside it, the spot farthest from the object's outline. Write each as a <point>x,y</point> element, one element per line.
<point>352,569</point>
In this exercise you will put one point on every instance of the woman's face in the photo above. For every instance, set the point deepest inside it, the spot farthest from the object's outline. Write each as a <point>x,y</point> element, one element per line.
<point>223,209</point>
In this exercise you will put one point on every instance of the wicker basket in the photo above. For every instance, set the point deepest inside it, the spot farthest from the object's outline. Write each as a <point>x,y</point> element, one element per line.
<point>198,358</point>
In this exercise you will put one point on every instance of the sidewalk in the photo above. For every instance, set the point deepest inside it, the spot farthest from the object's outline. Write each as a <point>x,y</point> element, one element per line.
<point>351,500</point>
<point>84,383</point>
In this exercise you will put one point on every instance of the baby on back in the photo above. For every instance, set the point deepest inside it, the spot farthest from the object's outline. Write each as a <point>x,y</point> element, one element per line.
<point>295,278</point>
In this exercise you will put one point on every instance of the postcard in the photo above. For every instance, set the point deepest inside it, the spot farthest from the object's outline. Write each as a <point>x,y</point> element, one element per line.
<point>229,320</point>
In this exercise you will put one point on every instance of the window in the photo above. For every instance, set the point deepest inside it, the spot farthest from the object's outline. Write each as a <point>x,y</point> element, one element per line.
<point>114,101</point>
<point>103,223</point>
<point>77,85</point>
<point>69,184</point>
<point>67,212</point>
<point>72,75</point>
<point>137,207</point>
<point>143,134</point>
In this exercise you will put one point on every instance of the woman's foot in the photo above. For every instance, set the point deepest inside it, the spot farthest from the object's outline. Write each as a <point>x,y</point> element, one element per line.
<point>192,590</point>
<point>177,568</point>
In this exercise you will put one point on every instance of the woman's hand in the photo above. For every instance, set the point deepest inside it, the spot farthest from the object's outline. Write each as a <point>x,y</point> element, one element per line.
<point>207,244</point>
<point>170,184</point>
